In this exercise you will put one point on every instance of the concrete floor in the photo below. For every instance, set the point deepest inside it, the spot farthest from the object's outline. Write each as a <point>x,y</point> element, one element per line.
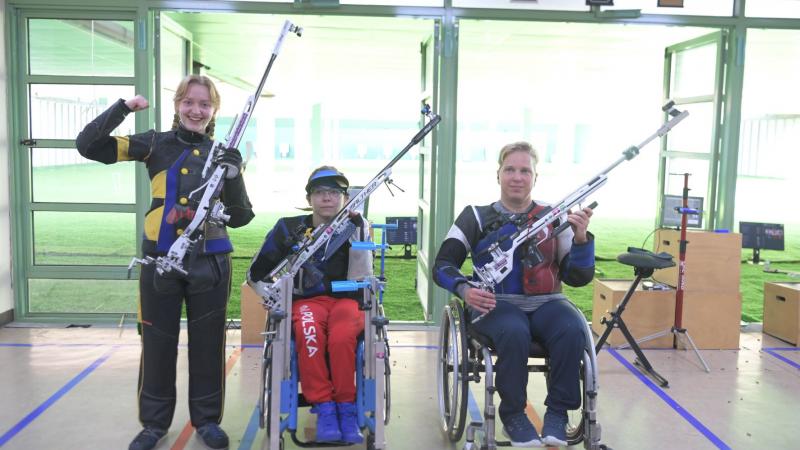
<point>75,388</point>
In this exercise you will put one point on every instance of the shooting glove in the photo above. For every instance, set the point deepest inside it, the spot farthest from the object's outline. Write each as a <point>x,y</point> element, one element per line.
<point>356,219</point>
<point>232,160</point>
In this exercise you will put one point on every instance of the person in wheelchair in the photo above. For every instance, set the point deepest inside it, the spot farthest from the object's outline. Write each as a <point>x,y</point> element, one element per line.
<point>528,304</point>
<point>326,325</point>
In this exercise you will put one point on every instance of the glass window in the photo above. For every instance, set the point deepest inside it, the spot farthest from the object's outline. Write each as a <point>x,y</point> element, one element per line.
<point>63,175</point>
<point>347,93</point>
<point>695,8</point>
<point>770,128</point>
<point>83,238</point>
<point>173,69</point>
<point>389,2</point>
<point>698,176</point>
<point>693,71</point>
<point>60,111</point>
<point>579,93</point>
<point>690,7</point>
<point>786,9</point>
<point>83,296</point>
<point>284,138</point>
<point>693,134</point>
<point>81,47</point>
<point>553,5</point>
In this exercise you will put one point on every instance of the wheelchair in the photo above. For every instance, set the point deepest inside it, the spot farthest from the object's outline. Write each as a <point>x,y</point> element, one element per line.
<point>464,355</point>
<point>280,397</point>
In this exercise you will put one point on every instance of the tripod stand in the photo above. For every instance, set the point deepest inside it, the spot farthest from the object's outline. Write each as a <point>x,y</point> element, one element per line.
<point>644,263</point>
<point>677,329</point>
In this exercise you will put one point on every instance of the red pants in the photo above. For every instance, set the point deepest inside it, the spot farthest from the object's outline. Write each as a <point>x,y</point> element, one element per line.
<point>325,325</point>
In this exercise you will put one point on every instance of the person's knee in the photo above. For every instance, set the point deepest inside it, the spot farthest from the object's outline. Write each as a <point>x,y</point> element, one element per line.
<point>341,342</point>
<point>513,341</point>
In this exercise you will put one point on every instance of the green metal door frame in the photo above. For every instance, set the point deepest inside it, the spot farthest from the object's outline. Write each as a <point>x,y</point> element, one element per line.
<point>19,157</point>
<point>444,161</point>
<point>438,177</point>
<point>732,119</point>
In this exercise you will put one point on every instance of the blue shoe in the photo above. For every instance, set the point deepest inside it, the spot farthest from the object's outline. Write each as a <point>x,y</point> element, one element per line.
<point>348,423</point>
<point>147,439</point>
<point>519,429</point>
<point>554,428</point>
<point>212,436</point>
<point>327,423</point>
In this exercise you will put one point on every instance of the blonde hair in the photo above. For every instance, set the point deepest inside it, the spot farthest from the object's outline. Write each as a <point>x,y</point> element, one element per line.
<point>520,146</point>
<point>183,87</point>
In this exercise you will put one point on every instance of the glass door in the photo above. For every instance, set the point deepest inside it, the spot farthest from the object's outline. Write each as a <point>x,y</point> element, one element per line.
<point>693,76</point>
<point>76,228</point>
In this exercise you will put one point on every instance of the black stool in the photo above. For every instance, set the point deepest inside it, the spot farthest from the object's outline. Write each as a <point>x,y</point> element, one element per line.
<point>644,263</point>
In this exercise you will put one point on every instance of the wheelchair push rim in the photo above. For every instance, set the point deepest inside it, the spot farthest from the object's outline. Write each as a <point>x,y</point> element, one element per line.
<point>452,368</point>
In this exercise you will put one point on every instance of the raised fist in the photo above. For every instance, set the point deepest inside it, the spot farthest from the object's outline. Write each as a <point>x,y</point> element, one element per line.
<point>137,103</point>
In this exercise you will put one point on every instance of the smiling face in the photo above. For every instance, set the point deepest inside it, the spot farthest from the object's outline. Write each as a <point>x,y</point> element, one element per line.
<point>516,176</point>
<point>195,108</point>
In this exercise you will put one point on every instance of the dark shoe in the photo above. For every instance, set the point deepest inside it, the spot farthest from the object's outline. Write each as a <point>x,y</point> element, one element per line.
<point>147,439</point>
<point>213,436</point>
<point>519,429</point>
<point>327,423</point>
<point>348,423</point>
<point>554,428</point>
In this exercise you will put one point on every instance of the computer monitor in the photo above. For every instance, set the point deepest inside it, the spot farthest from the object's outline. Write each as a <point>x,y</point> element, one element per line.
<point>405,234</point>
<point>670,217</point>
<point>758,235</point>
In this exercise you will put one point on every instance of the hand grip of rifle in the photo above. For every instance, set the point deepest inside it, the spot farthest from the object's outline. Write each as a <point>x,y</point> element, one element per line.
<point>564,225</point>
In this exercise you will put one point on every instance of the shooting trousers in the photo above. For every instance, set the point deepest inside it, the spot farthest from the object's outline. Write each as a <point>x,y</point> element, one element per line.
<point>205,291</point>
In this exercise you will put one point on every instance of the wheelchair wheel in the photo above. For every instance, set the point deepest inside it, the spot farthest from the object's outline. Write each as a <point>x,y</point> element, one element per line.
<point>387,394</point>
<point>452,371</point>
<point>387,372</point>
<point>576,418</point>
<point>265,389</point>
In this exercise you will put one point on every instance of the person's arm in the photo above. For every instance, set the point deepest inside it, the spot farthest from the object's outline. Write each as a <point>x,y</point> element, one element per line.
<point>237,203</point>
<point>359,262</point>
<point>96,143</point>
<point>275,247</point>
<point>576,244</point>
<point>453,252</point>
<point>461,238</point>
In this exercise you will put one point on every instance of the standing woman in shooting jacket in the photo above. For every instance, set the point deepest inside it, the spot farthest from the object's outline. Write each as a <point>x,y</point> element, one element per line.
<point>326,324</point>
<point>174,161</point>
<point>528,304</point>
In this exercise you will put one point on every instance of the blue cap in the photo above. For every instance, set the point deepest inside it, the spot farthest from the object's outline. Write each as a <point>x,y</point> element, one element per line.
<point>327,177</point>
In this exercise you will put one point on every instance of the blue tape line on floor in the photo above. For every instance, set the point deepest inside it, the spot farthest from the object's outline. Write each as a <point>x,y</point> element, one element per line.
<point>773,352</point>
<point>50,401</point>
<point>671,402</point>
<point>250,432</point>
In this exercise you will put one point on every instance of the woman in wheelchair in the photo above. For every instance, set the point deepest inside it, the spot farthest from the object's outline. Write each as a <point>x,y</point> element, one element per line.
<point>528,304</point>
<point>326,325</point>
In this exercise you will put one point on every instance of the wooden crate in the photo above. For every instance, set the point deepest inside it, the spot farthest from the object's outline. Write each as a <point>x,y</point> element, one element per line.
<point>712,260</point>
<point>254,316</point>
<point>782,311</point>
<point>646,313</point>
<point>713,319</point>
